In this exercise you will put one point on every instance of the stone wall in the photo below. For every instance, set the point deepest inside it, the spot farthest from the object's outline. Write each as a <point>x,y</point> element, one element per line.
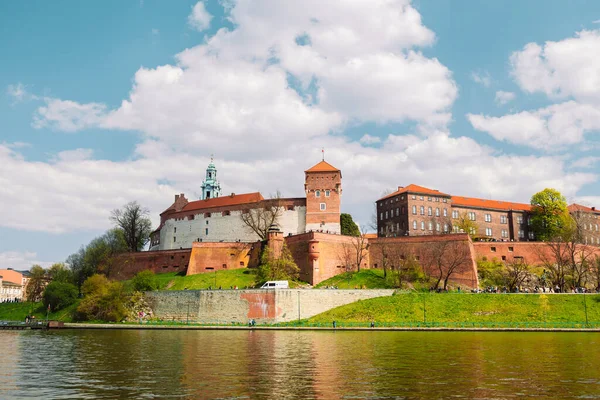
<point>209,257</point>
<point>129,264</point>
<point>264,306</point>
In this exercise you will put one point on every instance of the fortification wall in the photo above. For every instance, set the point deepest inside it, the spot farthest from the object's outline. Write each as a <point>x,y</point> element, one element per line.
<point>530,252</point>
<point>208,257</point>
<point>264,306</point>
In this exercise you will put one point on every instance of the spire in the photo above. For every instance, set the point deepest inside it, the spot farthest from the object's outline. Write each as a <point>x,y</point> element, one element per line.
<point>211,187</point>
<point>323,151</point>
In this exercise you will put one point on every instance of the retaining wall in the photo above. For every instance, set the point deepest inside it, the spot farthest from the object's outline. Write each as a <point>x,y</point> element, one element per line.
<point>270,306</point>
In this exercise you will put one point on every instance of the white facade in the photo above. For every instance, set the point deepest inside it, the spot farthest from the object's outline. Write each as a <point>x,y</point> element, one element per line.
<point>179,233</point>
<point>10,291</point>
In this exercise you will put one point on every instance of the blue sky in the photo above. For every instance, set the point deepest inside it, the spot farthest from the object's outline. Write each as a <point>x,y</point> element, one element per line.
<point>107,102</point>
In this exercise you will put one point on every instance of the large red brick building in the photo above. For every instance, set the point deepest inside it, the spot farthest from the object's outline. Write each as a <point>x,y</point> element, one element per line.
<point>416,210</point>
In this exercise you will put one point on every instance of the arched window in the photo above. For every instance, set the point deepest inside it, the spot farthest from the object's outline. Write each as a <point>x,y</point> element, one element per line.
<point>429,211</point>
<point>414,224</point>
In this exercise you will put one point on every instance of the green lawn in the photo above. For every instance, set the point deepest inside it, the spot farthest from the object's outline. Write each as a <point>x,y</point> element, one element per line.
<point>241,278</point>
<point>18,312</point>
<point>453,308</point>
<point>367,278</point>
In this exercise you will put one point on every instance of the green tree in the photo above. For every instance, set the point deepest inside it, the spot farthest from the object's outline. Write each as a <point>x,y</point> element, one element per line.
<point>144,281</point>
<point>549,214</point>
<point>36,284</point>
<point>60,273</point>
<point>103,300</point>
<point>275,269</point>
<point>349,227</point>
<point>59,295</point>
<point>135,224</point>
<point>466,224</point>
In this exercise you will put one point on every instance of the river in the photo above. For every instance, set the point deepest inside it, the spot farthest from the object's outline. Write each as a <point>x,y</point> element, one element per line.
<point>145,364</point>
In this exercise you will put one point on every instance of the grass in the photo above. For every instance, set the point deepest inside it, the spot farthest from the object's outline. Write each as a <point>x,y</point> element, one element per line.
<point>241,278</point>
<point>18,312</point>
<point>367,278</point>
<point>455,308</point>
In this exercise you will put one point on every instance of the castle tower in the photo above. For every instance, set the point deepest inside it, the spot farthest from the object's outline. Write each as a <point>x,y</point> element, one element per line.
<point>211,187</point>
<point>323,187</point>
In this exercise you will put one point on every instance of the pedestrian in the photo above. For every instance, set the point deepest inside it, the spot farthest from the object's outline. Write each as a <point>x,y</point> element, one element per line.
<point>334,325</point>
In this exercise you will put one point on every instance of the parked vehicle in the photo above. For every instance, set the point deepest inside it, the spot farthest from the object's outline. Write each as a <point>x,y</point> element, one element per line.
<point>276,285</point>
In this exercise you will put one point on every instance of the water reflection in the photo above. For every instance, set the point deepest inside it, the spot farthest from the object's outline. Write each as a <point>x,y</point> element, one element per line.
<point>297,364</point>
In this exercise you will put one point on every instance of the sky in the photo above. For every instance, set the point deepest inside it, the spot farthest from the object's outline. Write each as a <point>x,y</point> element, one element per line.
<point>107,102</point>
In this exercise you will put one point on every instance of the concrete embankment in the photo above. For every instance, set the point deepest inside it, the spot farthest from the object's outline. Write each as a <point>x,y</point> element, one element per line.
<point>241,306</point>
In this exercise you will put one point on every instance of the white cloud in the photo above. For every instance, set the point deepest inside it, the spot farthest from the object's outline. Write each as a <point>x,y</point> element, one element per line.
<point>369,139</point>
<point>570,67</point>
<point>546,128</point>
<point>596,21</point>
<point>19,93</point>
<point>585,162</point>
<point>504,97</point>
<point>21,260</point>
<point>199,19</point>
<point>483,78</point>
<point>69,116</point>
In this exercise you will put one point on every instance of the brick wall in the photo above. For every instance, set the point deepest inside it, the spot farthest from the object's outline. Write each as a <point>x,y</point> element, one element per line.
<point>209,257</point>
<point>128,265</point>
<point>532,253</point>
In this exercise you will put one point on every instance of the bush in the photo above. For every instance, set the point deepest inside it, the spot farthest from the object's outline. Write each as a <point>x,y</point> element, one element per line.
<point>59,295</point>
<point>145,281</point>
<point>104,300</point>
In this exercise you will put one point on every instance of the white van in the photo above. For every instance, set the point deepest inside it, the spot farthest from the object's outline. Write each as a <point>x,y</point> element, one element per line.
<point>276,285</point>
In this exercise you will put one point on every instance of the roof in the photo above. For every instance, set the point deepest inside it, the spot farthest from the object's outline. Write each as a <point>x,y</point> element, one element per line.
<point>579,207</point>
<point>412,188</point>
<point>323,166</point>
<point>489,204</point>
<point>223,201</point>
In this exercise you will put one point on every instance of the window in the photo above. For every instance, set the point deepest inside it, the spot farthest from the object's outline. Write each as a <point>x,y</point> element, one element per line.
<point>175,230</point>
<point>493,249</point>
<point>414,210</point>
<point>226,213</point>
<point>511,249</point>
<point>324,207</point>
<point>528,220</point>
<point>422,210</point>
<point>445,227</point>
<point>327,193</point>
<point>437,227</point>
<point>430,226</point>
<point>445,200</point>
<point>437,212</point>
<point>455,214</point>
<point>472,216</point>
<point>174,238</point>
<point>445,212</point>
<point>386,213</point>
<point>422,225</point>
<point>472,231</point>
<point>488,231</point>
<point>381,216</point>
<point>521,234</point>
<point>503,219</point>
<point>429,211</point>
<point>488,217</point>
<point>317,193</point>
<point>420,197</point>
<point>207,215</point>
<point>414,224</point>
<point>397,211</point>
<point>429,199</point>
<point>206,231</point>
<point>520,219</point>
<point>414,197</point>
<point>504,233</point>
<point>531,235</point>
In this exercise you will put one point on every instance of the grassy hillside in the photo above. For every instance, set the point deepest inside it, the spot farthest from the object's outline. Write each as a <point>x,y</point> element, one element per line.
<point>241,278</point>
<point>367,278</point>
<point>449,309</point>
<point>18,312</point>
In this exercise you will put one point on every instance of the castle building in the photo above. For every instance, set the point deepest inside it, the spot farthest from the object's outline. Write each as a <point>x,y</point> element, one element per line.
<point>218,218</point>
<point>416,210</point>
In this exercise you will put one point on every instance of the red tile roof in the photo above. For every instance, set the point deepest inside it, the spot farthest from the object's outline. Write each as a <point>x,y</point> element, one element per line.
<point>224,201</point>
<point>323,166</point>
<point>489,204</point>
<point>412,188</point>
<point>579,207</point>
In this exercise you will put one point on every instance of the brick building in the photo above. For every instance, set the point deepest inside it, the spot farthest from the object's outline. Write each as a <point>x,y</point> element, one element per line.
<point>415,210</point>
<point>217,218</point>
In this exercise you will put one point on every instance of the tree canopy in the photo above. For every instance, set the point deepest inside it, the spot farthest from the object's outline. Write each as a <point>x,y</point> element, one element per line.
<point>135,224</point>
<point>348,226</point>
<point>549,215</point>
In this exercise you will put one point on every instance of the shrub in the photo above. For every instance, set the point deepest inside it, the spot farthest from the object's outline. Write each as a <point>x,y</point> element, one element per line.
<point>103,301</point>
<point>145,281</point>
<point>59,295</point>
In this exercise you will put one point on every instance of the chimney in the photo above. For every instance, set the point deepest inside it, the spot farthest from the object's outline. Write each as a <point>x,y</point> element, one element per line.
<point>176,197</point>
<point>593,208</point>
<point>232,194</point>
<point>400,188</point>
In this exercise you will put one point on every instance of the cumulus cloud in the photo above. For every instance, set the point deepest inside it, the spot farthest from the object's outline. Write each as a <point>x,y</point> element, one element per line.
<point>546,128</point>
<point>21,260</point>
<point>69,116</point>
<point>483,78</point>
<point>368,139</point>
<point>504,97</point>
<point>570,67</point>
<point>585,162</point>
<point>199,19</point>
<point>18,92</point>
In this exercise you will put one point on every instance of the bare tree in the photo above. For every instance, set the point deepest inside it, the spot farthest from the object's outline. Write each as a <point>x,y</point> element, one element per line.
<point>515,273</point>
<point>353,253</point>
<point>259,219</point>
<point>135,224</point>
<point>444,259</point>
<point>402,262</point>
<point>595,270</point>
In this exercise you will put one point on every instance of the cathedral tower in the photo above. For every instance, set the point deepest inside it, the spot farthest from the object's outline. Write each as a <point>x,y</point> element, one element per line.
<point>323,187</point>
<point>211,187</point>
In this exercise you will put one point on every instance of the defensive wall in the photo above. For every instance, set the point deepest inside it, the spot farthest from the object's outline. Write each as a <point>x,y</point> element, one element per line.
<point>264,306</point>
<point>209,257</point>
<point>534,253</point>
<point>128,265</point>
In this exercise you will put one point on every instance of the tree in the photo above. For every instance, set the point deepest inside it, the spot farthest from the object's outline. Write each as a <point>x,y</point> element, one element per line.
<point>348,226</point>
<point>103,300</point>
<point>445,258</point>
<point>36,284</point>
<point>466,224</point>
<point>403,264</point>
<point>144,281</point>
<point>59,295</point>
<point>354,252</point>
<point>515,273</point>
<point>595,270</point>
<point>60,273</point>
<point>135,224</point>
<point>275,269</point>
<point>259,219</point>
<point>549,214</point>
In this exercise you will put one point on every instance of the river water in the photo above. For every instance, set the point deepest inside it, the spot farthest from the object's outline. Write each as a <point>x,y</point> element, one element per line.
<point>145,364</point>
